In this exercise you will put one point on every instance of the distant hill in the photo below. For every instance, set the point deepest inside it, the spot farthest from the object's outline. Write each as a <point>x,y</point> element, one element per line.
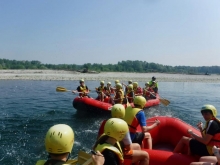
<point>123,66</point>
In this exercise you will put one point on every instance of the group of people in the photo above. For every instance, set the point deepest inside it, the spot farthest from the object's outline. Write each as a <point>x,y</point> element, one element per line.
<point>116,94</point>
<point>118,140</point>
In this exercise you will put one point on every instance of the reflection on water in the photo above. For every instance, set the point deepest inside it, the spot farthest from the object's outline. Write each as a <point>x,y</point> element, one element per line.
<point>29,108</point>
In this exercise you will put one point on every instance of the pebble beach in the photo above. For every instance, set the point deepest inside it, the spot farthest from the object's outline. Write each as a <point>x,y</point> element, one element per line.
<point>107,76</point>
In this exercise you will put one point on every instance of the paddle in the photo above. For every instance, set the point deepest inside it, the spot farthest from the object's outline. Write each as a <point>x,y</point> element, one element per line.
<point>162,100</point>
<point>62,89</point>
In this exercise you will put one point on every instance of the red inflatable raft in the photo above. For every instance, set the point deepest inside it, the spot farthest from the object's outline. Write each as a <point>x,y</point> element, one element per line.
<point>92,104</point>
<point>165,138</point>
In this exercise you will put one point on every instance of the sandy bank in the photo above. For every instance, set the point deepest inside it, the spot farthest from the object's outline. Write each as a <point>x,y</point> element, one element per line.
<point>123,76</point>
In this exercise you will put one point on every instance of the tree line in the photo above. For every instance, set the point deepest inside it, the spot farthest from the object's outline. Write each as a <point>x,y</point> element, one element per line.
<point>123,66</point>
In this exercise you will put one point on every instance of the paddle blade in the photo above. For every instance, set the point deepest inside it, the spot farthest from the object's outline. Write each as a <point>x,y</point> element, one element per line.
<point>165,101</point>
<point>61,89</point>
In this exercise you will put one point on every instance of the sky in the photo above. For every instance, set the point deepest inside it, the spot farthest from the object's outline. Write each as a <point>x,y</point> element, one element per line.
<point>168,32</point>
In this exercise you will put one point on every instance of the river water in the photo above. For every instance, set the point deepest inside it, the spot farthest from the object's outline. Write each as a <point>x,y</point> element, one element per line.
<point>29,108</point>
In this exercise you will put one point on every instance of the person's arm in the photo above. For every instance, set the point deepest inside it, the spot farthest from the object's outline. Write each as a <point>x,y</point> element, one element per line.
<point>98,159</point>
<point>142,121</point>
<point>205,140</point>
<point>213,129</point>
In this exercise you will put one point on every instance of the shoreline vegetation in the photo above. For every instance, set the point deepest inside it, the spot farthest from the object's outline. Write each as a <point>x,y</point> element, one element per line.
<point>124,71</point>
<point>27,74</point>
<point>123,66</point>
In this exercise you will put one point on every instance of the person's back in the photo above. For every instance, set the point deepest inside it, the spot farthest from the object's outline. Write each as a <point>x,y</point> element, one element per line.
<point>134,117</point>
<point>114,131</point>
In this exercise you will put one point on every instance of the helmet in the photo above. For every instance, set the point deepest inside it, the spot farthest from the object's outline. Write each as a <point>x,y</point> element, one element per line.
<point>130,86</point>
<point>59,139</point>
<point>153,78</point>
<point>109,83</point>
<point>116,128</point>
<point>117,81</point>
<point>211,108</point>
<point>82,80</point>
<point>140,100</point>
<point>102,82</point>
<point>135,84</point>
<point>130,82</point>
<point>147,83</point>
<point>118,86</point>
<point>118,111</point>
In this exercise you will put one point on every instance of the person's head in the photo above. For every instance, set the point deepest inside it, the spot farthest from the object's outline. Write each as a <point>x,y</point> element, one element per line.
<point>118,111</point>
<point>130,82</point>
<point>59,140</point>
<point>208,111</point>
<point>130,87</point>
<point>153,78</point>
<point>118,86</point>
<point>81,82</point>
<point>147,84</point>
<point>116,128</point>
<point>117,81</point>
<point>135,84</point>
<point>109,84</point>
<point>139,101</point>
<point>102,83</point>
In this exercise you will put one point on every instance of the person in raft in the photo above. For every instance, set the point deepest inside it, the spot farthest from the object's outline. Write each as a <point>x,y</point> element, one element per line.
<point>209,160</point>
<point>154,84</point>
<point>130,150</point>
<point>108,144</point>
<point>119,94</point>
<point>59,142</point>
<point>134,116</point>
<point>82,89</point>
<point>126,86</point>
<point>137,90</point>
<point>148,92</point>
<point>130,93</point>
<point>101,90</point>
<point>210,135</point>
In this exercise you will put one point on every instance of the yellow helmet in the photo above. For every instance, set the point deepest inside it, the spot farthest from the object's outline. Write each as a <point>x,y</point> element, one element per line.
<point>109,83</point>
<point>118,86</point>
<point>118,111</point>
<point>211,108</point>
<point>130,82</point>
<point>59,139</point>
<point>82,80</point>
<point>135,84</point>
<point>130,86</point>
<point>140,100</point>
<point>102,82</point>
<point>116,128</point>
<point>147,83</point>
<point>117,81</point>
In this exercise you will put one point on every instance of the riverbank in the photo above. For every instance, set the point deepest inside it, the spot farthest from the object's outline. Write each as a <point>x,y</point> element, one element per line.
<point>107,76</point>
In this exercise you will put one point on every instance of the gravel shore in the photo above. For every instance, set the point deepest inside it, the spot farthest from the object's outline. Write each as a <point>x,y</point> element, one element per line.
<point>107,76</point>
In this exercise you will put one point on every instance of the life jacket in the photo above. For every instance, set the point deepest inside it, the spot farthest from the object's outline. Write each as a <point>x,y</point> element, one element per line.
<point>130,95</point>
<point>147,92</point>
<point>138,90</point>
<point>130,118</point>
<point>101,88</point>
<point>151,82</point>
<point>51,162</point>
<point>118,96</point>
<point>82,89</point>
<point>215,139</point>
<point>117,150</point>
